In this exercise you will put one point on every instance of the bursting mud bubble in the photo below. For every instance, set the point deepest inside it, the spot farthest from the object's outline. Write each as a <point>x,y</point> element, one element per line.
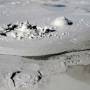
<point>24,30</point>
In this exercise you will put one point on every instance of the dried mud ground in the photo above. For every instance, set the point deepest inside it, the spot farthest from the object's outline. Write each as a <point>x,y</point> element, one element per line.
<point>67,71</point>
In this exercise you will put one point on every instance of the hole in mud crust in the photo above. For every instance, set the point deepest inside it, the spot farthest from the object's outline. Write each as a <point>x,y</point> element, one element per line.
<point>70,23</point>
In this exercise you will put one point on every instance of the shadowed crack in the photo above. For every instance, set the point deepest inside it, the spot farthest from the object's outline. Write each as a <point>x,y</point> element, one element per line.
<point>24,78</point>
<point>45,57</point>
<point>55,5</point>
<point>13,75</point>
<point>39,76</point>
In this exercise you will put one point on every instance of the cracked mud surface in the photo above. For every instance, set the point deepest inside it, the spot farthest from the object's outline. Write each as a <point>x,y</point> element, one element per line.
<point>68,70</point>
<point>22,79</point>
<point>13,75</point>
<point>25,74</point>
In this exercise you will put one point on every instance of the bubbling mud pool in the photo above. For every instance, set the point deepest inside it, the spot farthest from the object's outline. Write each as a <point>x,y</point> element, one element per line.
<point>25,30</point>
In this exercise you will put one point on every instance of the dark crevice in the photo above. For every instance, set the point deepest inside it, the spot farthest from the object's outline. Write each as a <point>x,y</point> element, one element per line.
<point>48,30</point>
<point>39,76</point>
<point>45,57</point>
<point>10,27</point>
<point>55,5</point>
<point>3,34</point>
<point>58,5</point>
<point>13,75</point>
